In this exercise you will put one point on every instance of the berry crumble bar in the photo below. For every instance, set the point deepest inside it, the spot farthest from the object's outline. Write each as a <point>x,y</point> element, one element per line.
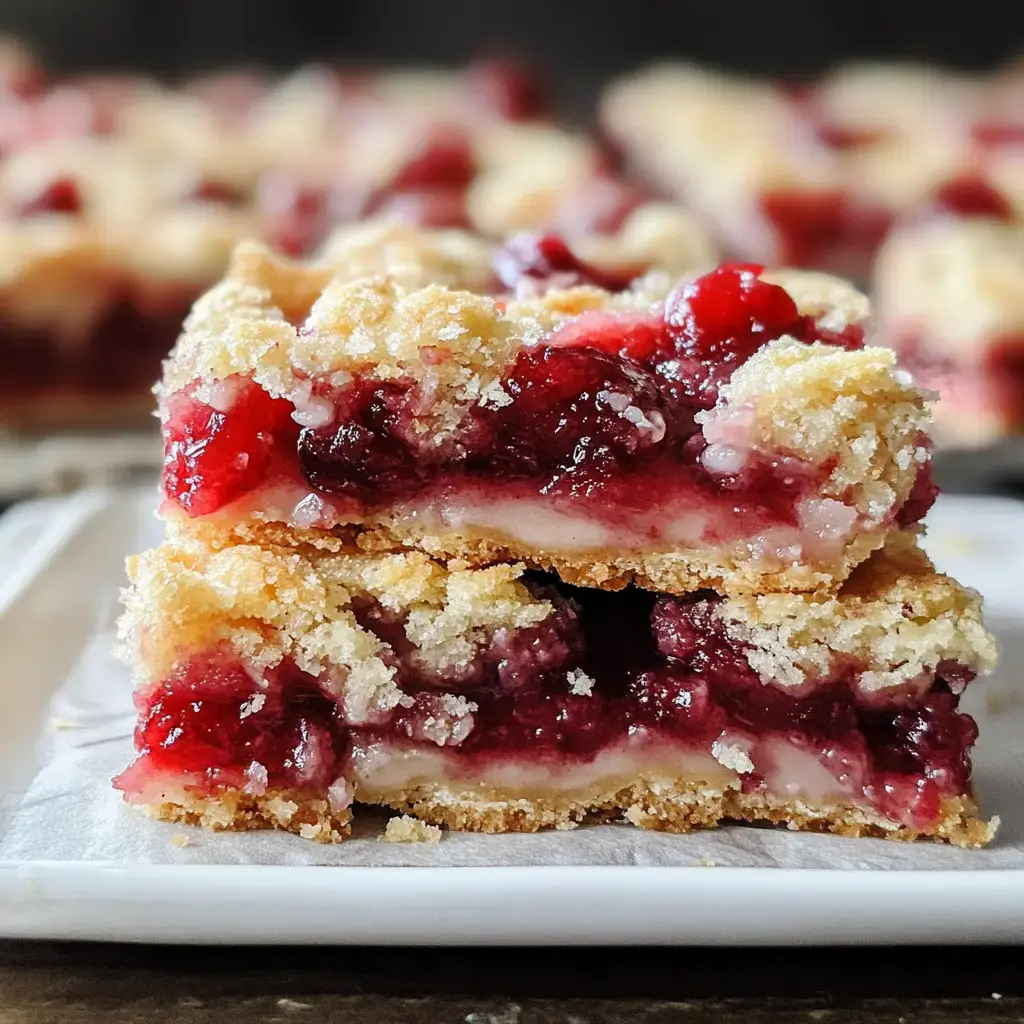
<point>277,685</point>
<point>727,429</point>
<point>950,294</point>
<point>507,538</point>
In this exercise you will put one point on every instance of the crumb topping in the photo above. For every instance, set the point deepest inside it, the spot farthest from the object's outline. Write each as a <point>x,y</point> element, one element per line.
<point>822,403</point>
<point>272,603</point>
<point>407,829</point>
<point>894,614</point>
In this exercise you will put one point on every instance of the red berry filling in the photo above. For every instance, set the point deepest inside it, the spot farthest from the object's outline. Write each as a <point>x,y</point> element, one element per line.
<point>214,455</point>
<point>209,190</point>
<point>58,196</point>
<point>444,159</point>
<point>546,259</point>
<point>210,721</point>
<point>998,133</point>
<point>972,196</point>
<point>299,213</point>
<point>843,137</point>
<point>827,229</point>
<point>663,668</point>
<point>506,89</point>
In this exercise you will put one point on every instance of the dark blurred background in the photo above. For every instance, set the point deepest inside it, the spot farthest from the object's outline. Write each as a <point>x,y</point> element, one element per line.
<point>576,44</point>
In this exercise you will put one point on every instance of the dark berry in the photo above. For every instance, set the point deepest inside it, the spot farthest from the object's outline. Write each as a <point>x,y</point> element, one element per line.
<point>575,418</point>
<point>58,196</point>
<point>548,260</point>
<point>972,196</point>
<point>364,453</point>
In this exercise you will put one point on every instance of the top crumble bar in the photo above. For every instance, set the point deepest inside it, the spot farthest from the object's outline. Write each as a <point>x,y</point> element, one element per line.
<point>725,430</point>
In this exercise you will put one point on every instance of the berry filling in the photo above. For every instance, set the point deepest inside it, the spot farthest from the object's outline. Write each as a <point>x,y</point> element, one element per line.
<point>547,261</point>
<point>598,421</point>
<point>824,230</point>
<point>505,89</point>
<point>998,133</point>
<point>605,670</point>
<point>59,196</point>
<point>971,196</point>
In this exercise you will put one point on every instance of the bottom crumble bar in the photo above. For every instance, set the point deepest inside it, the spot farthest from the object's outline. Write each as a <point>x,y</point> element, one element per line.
<point>276,686</point>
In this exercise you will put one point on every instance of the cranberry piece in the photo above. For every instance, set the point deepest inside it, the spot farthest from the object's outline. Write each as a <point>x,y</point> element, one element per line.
<point>211,719</point>
<point>972,196</point>
<point>673,699</point>
<point>212,457</point>
<point>998,133</point>
<point>432,208</point>
<point>364,454</point>
<point>547,259</point>
<point>921,498</point>
<point>443,159</point>
<point>724,317</point>
<point>634,336</point>
<point>576,417</point>
<point>208,190</point>
<point>58,196</point>
<point>506,89</point>
<point>299,213</point>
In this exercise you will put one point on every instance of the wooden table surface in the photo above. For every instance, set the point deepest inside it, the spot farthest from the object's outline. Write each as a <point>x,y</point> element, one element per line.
<point>49,982</point>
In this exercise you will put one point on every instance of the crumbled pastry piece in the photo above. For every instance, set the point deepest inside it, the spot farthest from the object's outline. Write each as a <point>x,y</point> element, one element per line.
<point>405,829</point>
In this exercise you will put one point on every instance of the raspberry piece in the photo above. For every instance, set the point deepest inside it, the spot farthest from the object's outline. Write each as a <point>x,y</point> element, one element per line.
<point>212,457</point>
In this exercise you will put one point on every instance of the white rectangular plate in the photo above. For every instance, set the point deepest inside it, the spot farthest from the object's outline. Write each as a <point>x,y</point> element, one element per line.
<point>58,581</point>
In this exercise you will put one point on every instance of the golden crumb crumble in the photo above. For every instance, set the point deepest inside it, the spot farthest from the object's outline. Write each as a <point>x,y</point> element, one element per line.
<point>406,829</point>
<point>823,403</point>
<point>272,603</point>
<point>895,615</point>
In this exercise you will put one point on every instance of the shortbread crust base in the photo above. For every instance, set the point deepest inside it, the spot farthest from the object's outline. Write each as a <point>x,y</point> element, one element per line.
<point>235,811</point>
<point>673,805</point>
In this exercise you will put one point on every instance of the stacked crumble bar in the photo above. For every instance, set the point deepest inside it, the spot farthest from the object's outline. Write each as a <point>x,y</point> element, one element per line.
<point>515,539</point>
